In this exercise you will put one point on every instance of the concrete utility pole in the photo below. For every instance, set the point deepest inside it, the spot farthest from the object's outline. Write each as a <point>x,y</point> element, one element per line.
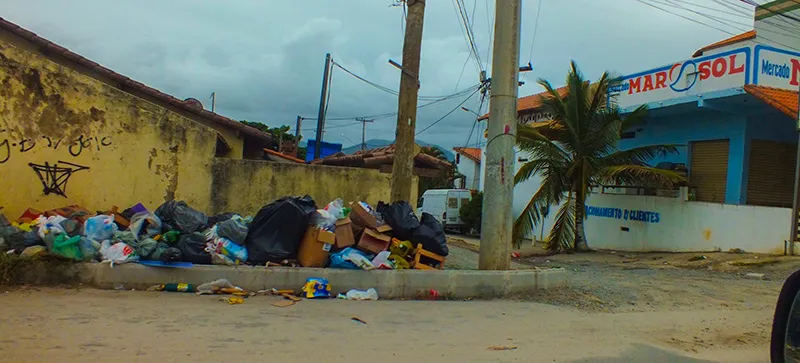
<point>403,168</point>
<point>321,115</point>
<point>794,233</point>
<point>213,101</point>
<point>498,216</point>
<point>297,130</point>
<point>363,122</point>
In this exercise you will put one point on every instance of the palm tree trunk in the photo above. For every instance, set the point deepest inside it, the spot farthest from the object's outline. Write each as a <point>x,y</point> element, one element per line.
<point>580,211</point>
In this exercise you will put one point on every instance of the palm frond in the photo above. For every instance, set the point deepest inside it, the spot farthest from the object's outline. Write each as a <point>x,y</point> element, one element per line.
<point>562,236</point>
<point>638,155</point>
<point>550,193</point>
<point>639,175</point>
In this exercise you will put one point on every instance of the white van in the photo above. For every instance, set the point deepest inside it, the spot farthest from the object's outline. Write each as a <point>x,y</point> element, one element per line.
<point>445,204</point>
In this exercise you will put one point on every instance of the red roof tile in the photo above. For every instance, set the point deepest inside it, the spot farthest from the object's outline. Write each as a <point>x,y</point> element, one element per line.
<point>732,40</point>
<point>471,153</point>
<point>287,157</point>
<point>783,100</point>
<point>532,102</point>
<point>49,48</point>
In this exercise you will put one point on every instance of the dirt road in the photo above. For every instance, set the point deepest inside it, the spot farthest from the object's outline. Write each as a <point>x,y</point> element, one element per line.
<point>128,326</point>
<point>684,308</point>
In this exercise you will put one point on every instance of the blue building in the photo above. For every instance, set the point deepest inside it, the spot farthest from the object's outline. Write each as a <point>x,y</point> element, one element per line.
<point>731,109</point>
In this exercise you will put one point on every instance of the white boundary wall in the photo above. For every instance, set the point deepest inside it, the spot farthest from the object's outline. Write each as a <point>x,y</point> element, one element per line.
<point>672,224</point>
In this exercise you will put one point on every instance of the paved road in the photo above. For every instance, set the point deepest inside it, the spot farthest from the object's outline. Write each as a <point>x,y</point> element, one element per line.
<point>128,326</point>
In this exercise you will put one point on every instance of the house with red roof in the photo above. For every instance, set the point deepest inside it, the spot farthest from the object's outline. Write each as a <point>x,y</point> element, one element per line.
<point>468,162</point>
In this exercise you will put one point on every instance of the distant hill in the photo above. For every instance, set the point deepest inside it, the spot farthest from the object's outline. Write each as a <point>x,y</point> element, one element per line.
<point>375,143</point>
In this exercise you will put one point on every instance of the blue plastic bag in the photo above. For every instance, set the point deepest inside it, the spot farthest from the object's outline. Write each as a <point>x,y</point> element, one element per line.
<point>351,258</point>
<point>100,228</point>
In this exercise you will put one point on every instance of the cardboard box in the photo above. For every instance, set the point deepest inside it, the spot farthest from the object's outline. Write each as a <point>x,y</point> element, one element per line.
<point>361,217</point>
<point>373,242</point>
<point>344,233</point>
<point>315,247</point>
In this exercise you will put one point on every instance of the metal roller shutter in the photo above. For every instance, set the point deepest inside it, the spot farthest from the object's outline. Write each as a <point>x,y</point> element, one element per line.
<point>709,170</point>
<point>770,177</point>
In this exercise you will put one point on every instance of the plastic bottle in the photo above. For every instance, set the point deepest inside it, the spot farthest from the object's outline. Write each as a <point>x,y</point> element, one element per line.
<point>179,287</point>
<point>370,294</point>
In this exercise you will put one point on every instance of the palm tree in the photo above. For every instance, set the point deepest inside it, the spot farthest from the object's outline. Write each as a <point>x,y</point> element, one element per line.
<point>577,151</point>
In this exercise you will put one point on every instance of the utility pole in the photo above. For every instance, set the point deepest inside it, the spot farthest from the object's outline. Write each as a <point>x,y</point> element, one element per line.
<point>297,130</point>
<point>213,101</point>
<point>403,167</point>
<point>794,233</point>
<point>321,115</point>
<point>363,122</point>
<point>498,216</point>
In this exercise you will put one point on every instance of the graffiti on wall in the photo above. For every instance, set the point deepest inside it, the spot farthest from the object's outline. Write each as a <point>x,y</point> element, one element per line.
<point>74,146</point>
<point>54,177</point>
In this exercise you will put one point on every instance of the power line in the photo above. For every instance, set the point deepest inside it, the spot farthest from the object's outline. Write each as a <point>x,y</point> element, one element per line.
<point>535,28</point>
<point>390,114</point>
<point>685,17</point>
<point>490,25</point>
<point>733,13</point>
<point>464,25</point>
<point>448,113</point>
<point>711,17</point>
<point>383,88</point>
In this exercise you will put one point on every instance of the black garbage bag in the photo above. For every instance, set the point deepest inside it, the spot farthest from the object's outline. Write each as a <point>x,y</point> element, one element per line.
<point>193,248</point>
<point>233,229</point>
<point>431,235</point>
<point>222,217</point>
<point>277,229</point>
<point>400,216</point>
<point>178,216</point>
<point>21,240</point>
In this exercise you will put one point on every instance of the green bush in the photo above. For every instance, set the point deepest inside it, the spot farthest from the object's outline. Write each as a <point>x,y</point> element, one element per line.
<point>471,212</point>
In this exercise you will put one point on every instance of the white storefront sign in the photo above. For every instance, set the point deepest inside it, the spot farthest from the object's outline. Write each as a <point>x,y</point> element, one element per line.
<point>690,77</point>
<point>777,68</point>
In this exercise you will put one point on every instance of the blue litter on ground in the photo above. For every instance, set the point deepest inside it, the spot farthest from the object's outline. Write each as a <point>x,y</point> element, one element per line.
<point>166,264</point>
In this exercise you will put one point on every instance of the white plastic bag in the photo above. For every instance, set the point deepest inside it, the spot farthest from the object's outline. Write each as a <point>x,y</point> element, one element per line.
<point>117,253</point>
<point>370,294</point>
<point>381,261</point>
<point>49,225</point>
<point>336,208</point>
<point>323,219</point>
<point>100,227</point>
<point>137,222</point>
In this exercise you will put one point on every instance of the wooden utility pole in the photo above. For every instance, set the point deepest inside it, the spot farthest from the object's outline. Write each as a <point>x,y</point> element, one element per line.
<point>363,122</point>
<point>213,101</point>
<point>403,168</point>
<point>322,105</point>
<point>498,217</point>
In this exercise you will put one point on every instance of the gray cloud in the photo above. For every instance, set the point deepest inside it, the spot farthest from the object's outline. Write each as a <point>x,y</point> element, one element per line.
<point>264,58</point>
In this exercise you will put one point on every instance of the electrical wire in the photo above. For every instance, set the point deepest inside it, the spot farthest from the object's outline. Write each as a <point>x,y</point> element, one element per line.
<point>331,127</point>
<point>783,15</point>
<point>711,26</point>
<point>685,17</point>
<point>464,25</point>
<point>383,88</point>
<point>535,28</point>
<point>732,13</point>
<point>490,26</point>
<point>390,114</point>
<point>448,113</point>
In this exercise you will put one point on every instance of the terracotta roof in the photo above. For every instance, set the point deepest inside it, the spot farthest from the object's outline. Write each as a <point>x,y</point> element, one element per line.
<point>126,84</point>
<point>532,102</point>
<point>380,156</point>
<point>287,157</point>
<point>471,153</point>
<point>783,100</point>
<point>732,40</point>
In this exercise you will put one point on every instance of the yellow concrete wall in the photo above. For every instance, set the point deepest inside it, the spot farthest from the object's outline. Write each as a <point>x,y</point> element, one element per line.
<point>133,150</point>
<point>244,186</point>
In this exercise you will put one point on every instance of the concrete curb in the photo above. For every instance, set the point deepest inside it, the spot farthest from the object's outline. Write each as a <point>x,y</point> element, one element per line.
<point>390,284</point>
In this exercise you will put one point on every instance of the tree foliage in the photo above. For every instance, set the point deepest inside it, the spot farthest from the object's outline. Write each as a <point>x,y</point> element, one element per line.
<point>579,152</point>
<point>445,182</point>
<point>470,213</point>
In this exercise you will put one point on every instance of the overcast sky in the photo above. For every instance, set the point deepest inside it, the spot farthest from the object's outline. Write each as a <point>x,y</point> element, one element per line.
<point>264,59</point>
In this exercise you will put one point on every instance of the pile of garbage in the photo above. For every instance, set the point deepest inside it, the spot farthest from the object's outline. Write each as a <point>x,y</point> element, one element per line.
<point>290,231</point>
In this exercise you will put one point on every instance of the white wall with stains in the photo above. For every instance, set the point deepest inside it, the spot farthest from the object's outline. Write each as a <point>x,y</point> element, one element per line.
<point>649,223</point>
